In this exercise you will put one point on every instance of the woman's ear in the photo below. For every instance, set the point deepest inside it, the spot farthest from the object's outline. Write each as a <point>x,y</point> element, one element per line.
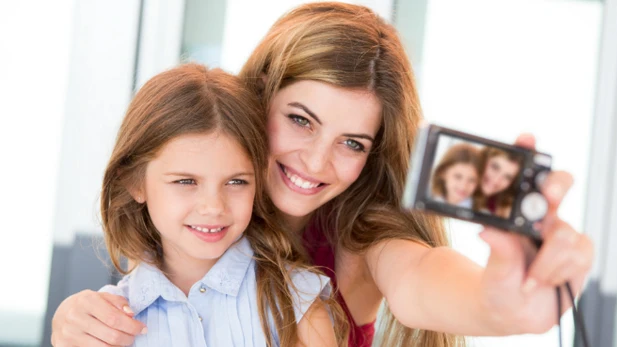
<point>261,83</point>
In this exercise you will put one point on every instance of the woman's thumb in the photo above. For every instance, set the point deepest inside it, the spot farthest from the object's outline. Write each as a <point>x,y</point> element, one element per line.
<point>507,254</point>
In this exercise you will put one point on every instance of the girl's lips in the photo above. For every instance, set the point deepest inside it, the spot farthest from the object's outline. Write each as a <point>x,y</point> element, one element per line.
<point>207,236</point>
<point>295,188</point>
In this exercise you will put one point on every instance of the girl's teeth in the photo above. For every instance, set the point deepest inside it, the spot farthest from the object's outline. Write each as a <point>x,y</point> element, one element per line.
<point>206,230</point>
<point>299,182</point>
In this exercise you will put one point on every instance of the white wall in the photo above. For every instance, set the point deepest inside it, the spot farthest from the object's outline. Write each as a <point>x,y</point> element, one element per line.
<point>239,42</point>
<point>35,43</point>
<point>66,71</point>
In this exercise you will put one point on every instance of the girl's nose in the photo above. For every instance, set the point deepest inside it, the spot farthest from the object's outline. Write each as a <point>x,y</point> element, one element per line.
<point>210,203</point>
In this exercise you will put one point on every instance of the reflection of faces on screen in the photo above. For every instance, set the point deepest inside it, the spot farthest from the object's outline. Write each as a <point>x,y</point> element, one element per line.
<point>475,176</point>
<point>498,174</point>
<point>460,181</point>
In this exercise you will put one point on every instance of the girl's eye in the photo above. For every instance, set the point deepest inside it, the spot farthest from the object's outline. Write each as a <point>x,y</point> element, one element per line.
<point>185,181</point>
<point>299,120</point>
<point>354,145</point>
<point>235,182</point>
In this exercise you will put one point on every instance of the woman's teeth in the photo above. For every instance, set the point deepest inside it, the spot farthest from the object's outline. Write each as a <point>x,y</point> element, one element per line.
<point>206,230</point>
<point>299,182</point>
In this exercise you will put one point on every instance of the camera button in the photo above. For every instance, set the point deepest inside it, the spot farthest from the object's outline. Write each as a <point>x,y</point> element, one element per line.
<point>534,206</point>
<point>540,178</point>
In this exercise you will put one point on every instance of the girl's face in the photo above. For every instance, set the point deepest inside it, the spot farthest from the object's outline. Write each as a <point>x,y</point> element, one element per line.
<point>460,181</point>
<point>199,191</point>
<point>320,137</point>
<point>498,174</point>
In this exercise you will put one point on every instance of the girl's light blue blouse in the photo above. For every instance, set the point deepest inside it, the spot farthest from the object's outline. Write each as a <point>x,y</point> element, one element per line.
<point>221,309</point>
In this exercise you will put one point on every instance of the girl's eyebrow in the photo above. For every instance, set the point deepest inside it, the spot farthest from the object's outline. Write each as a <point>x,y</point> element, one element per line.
<point>186,174</point>
<point>314,116</point>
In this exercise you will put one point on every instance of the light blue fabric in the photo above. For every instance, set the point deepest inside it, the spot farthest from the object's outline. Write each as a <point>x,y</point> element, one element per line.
<point>225,314</point>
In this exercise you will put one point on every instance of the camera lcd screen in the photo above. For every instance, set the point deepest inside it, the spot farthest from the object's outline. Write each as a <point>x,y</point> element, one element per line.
<point>479,177</point>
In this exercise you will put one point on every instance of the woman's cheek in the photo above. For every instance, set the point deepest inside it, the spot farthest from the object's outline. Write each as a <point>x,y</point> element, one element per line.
<point>350,169</point>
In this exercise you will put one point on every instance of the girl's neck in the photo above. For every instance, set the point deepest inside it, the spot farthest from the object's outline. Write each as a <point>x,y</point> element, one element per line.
<point>184,272</point>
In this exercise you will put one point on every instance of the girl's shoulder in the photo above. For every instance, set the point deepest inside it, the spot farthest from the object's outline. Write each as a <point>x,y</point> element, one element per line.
<point>306,287</point>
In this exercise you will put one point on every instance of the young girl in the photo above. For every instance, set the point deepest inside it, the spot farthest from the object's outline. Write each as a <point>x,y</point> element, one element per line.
<point>342,113</point>
<point>456,176</point>
<point>496,191</point>
<point>182,200</point>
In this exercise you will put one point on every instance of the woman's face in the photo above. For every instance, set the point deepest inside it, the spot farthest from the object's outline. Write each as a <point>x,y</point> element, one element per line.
<point>320,137</point>
<point>460,181</point>
<point>498,174</point>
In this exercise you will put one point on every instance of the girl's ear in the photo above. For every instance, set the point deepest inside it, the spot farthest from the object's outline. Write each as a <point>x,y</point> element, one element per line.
<point>135,189</point>
<point>138,194</point>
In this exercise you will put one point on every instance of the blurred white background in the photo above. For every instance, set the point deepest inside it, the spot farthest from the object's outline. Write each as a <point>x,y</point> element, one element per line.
<point>495,68</point>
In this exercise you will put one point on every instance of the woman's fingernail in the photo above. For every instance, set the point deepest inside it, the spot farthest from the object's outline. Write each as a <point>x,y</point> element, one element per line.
<point>555,192</point>
<point>127,309</point>
<point>144,331</point>
<point>529,285</point>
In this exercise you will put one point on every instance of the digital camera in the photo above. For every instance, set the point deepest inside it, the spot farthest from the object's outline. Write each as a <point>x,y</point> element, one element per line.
<point>468,177</point>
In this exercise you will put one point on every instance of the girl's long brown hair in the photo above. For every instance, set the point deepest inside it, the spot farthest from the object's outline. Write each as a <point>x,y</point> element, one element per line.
<point>461,153</point>
<point>193,100</point>
<point>503,200</point>
<point>351,47</point>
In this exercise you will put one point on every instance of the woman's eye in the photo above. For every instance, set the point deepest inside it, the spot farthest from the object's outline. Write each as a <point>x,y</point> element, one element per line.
<point>185,181</point>
<point>354,145</point>
<point>301,121</point>
<point>237,182</point>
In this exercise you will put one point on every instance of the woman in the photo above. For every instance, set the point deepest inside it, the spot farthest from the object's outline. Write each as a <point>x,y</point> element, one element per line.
<point>496,191</point>
<point>343,113</point>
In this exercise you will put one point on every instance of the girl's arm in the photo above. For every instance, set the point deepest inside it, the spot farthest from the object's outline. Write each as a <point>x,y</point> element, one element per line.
<point>315,327</point>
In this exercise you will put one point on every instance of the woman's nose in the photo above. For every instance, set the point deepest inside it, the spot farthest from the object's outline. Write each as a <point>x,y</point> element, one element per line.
<point>316,157</point>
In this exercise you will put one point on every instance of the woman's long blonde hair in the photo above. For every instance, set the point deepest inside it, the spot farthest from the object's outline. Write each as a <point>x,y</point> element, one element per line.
<point>193,100</point>
<point>350,46</point>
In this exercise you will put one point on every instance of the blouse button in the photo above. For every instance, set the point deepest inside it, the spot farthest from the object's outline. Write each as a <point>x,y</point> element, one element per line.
<point>202,290</point>
<point>200,319</point>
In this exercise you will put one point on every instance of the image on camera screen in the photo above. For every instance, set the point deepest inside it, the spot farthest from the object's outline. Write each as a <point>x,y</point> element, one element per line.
<point>475,176</point>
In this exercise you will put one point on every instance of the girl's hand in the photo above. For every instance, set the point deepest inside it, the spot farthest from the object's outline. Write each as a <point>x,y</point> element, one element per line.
<point>519,283</point>
<point>91,318</point>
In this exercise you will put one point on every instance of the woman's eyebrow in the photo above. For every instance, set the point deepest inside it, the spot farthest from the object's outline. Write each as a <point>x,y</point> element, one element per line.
<point>305,109</point>
<point>362,136</point>
<point>314,116</point>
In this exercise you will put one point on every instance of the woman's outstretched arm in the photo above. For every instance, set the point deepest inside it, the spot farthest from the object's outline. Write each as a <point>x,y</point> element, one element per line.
<point>440,289</point>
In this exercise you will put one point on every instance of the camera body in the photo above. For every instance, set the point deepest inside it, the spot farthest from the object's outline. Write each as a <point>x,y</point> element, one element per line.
<point>468,177</point>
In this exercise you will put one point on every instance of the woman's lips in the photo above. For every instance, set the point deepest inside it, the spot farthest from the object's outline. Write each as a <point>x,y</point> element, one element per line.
<point>310,190</point>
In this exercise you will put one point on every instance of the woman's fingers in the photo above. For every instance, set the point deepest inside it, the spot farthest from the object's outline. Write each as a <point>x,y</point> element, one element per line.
<point>95,330</point>
<point>75,336</point>
<point>526,140</point>
<point>565,255</point>
<point>555,187</point>
<point>110,311</point>
<point>92,318</point>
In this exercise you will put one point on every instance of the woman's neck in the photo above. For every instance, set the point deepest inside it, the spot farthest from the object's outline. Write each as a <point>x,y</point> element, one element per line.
<point>294,223</point>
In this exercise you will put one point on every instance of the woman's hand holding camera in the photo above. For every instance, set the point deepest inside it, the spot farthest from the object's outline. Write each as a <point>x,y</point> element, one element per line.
<point>519,281</point>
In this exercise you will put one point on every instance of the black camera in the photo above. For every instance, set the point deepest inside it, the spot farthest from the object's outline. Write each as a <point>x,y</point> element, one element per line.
<point>463,176</point>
